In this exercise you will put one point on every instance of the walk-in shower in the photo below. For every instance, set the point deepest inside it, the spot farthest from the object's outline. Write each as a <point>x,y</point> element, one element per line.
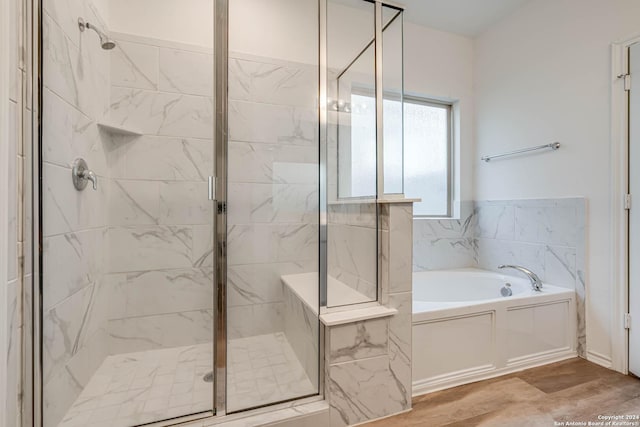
<point>190,281</point>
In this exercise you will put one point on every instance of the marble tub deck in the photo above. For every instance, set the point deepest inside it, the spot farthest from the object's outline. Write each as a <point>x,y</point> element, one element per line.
<point>142,387</point>
<point>571,390</point>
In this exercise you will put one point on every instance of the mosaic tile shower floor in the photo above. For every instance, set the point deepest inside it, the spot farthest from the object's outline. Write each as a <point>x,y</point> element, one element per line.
<point>142,387</point>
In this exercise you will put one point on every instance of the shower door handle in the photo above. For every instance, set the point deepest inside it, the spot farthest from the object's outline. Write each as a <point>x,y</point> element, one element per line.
<point>212,188</point>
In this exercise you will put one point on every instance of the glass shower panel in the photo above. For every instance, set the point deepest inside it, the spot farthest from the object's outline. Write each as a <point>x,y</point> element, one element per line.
<point>352,231</point>
<point>273,202</point>
<point>393,88</point>
<point>127,286</point>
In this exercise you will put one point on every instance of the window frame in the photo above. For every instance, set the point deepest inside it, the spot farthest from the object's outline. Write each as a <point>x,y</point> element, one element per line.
<point>448,106</point>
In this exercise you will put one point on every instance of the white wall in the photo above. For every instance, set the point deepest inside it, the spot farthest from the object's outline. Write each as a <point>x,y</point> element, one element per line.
<point>183,21</point>
<point>543,75</point>
<point>278,29</point>
<point>440,65</point>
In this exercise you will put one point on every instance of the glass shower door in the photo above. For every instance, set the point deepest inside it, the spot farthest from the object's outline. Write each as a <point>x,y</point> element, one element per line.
<point>127,263</point>
<point>273,202</point>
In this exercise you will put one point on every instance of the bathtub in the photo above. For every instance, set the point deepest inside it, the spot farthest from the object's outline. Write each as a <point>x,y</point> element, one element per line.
<point>465,331</point>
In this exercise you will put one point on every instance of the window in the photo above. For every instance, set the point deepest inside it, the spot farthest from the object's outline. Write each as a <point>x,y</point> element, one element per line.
<point>427,156</point>
<point>427,152</point>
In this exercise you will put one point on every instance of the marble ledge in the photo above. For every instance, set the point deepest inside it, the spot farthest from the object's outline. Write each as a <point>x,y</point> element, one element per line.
<point>356,315</point>
<point>369,201</point>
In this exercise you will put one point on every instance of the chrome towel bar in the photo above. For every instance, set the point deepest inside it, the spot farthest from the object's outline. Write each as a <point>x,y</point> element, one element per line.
<point>552,146</point>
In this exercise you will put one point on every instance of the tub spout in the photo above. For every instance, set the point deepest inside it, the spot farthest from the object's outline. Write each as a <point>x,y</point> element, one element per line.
<point>536,283</point>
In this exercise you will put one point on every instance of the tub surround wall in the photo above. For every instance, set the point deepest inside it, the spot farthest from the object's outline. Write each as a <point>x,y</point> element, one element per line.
<point>545,235</point>
<point>273,187</point>
<point>159,230</point>
<point>368,363</point>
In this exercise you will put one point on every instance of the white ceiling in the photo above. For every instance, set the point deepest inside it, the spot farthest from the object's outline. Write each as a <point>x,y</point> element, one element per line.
<point>466,17</point>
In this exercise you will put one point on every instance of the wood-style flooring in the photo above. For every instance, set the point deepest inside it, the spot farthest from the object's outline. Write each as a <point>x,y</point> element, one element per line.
<point>551,395</point>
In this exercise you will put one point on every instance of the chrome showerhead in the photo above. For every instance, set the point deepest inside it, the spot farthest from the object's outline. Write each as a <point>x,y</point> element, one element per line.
<point>105,42</point>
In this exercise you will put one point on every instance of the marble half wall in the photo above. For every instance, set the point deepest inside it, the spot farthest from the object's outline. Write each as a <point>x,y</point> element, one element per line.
<point>368,363</point>
<point>546,235</point>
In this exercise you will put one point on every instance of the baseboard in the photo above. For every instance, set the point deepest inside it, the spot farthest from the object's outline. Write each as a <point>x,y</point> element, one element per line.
<point>599,359</point>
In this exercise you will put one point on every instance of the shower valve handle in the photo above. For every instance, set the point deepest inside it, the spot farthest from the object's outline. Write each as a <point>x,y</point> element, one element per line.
<point>81,175</point>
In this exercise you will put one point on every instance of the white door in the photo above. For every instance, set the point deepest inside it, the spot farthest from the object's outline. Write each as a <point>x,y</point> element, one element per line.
<point>634,213</point>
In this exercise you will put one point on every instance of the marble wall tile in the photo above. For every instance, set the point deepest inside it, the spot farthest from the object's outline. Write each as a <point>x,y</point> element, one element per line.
<point>134,202</point>
<point>71,134</point>
<point>256,319</point>
<point>359,340</point>
<point>63,329</point>
<point>554,224</point>
<point>352,253</point>
<point>400,248</point>
<point>495,221</point>
<point>58,394</point>
<point>560,266</point>
<point>78,253</point>
<point>363,390</point>
<point>155,292</point>
<point>69,210</point>
<point>186,72</point>
<point>274,124</point>
<point>140,248</point>
<point>259,81</point>
<point>184,203</point>
<point>203,245</point>
<point>259,283</point>
<point>160,331</point>
<point>272,163</point>
<point>442,253</point>
<point>400,343</point>
<point>302,329</point>
<point>135,65</point>
<point>272,203</point>
<point>163,114</point>
<point>493,253</point>
<point>174,159</point>
<point>264,243</point>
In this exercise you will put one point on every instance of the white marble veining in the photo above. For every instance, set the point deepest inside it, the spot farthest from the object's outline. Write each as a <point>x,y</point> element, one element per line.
<point>150,248</point>
<point>273,163</point>
<point>260,80</point>
<point>161,113</point>
<point>153,292</point>
<point>253,122</point>
<point>135,65</point>
<point>186,72</point>
<point>364,390</point>
<point>174,159</point>
<point>359,340</point>
<point>302,330</point>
